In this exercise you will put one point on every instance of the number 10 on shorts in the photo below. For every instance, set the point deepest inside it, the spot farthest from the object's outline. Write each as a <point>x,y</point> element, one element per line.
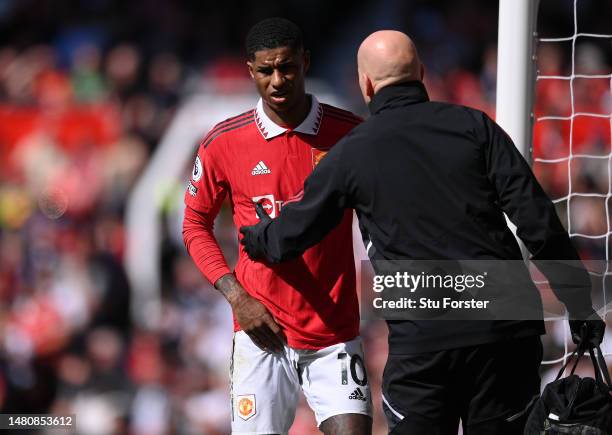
<point>357,368</point>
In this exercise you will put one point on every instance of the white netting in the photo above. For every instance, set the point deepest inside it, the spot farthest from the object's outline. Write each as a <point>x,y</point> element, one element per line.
<point>576,157</point>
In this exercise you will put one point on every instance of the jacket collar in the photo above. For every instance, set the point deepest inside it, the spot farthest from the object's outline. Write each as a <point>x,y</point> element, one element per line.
<point>398,95</point>
<point>310,125</point>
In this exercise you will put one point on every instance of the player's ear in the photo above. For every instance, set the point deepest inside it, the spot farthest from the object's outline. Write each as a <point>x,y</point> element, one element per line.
<point>250,66</point>
<point>306,60</point>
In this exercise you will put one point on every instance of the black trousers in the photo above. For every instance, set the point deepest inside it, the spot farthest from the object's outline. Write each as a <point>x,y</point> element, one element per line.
<point>486,386</point>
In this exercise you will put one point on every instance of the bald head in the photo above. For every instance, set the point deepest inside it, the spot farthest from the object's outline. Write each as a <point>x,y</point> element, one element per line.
<point>386,57</point>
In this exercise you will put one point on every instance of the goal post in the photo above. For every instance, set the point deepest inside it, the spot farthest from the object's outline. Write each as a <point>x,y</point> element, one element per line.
<point>516,70</point>
<point>517,75</point>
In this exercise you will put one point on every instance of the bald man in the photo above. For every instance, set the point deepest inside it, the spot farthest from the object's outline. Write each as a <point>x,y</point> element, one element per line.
<point>384,58</point>
<point>431,181</point>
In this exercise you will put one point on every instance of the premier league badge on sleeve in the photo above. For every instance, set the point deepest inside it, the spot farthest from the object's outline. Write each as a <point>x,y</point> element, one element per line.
<point>196,174</point>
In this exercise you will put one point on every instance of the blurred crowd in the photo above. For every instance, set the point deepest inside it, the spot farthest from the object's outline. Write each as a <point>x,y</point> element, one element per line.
<point>80,117</point>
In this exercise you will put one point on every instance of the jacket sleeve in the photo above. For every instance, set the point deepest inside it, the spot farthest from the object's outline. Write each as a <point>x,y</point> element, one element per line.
<point>306,222</point>
<point>522,198</point>
<point>205,193</point>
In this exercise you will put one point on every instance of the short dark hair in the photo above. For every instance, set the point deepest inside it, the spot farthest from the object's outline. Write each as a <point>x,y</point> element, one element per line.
<point>273,33</point>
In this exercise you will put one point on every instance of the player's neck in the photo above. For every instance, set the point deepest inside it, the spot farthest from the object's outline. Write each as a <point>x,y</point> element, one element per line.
<point>291,118</point>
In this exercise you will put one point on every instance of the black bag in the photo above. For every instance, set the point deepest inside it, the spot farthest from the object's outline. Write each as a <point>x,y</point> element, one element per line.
<point>575,405</point>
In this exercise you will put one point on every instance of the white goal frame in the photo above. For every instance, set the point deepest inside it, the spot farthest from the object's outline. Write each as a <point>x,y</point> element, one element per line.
<point>516,78</point>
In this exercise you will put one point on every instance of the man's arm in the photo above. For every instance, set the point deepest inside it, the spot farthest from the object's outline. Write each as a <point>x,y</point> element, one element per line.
<point>304,223</point>
<point>200,241</point>
<point>538,226</point>
<point>203,199</point>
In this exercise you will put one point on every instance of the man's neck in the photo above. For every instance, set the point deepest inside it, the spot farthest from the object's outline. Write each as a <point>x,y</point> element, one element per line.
<point>293,117</point>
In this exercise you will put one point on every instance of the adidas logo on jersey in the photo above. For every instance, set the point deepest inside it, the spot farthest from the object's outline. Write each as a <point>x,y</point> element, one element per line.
<point>260,169</point>
<point>357,395</point>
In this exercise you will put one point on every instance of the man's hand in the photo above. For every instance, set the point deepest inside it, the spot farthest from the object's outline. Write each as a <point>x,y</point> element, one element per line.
<point>587,328</point>
<point>252,316</point>
<point>256,321</point>
<point>250,234</point>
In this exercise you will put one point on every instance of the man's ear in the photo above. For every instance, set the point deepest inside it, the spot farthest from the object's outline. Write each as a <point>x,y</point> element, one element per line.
<point>306,60</point>
<point>369,86</point>
<point>250,66</point>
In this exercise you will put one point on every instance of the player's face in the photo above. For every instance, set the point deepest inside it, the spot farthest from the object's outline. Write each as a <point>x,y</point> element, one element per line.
<point>279,77</point>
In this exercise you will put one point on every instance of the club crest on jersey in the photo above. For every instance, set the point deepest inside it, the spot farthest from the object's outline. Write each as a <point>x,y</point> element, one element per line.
<point>246,406</point>
<point>317,155</point>
<point>196,174</point>
<point>260,169</point>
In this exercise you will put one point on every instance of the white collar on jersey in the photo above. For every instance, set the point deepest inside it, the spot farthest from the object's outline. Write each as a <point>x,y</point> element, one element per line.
<point>270,129</point>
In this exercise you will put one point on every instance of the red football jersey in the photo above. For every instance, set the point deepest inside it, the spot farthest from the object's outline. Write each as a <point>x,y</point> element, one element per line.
<point>252,159</point>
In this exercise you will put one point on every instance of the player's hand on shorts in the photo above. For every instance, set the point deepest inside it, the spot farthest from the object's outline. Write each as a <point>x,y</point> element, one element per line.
<point>250,234</point>
<point>255,320</point>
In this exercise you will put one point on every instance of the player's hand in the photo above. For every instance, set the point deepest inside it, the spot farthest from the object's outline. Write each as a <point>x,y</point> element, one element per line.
<point>250,234</point>
<point>255,320</point>
<point>587,328</point>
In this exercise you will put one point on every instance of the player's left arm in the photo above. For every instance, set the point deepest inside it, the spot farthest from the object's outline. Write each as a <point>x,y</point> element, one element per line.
<point>304,223</point>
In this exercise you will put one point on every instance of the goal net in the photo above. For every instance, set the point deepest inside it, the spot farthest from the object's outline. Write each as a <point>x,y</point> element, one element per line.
<point>572,146</point>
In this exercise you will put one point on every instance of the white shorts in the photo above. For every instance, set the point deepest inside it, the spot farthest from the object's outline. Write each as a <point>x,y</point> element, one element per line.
<point>265,386</point>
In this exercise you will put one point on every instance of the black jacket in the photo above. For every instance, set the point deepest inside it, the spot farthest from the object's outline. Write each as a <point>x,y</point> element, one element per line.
<point>428,180</point>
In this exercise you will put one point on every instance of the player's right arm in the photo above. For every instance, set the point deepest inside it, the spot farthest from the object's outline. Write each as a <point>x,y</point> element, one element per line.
<point>205,193</point>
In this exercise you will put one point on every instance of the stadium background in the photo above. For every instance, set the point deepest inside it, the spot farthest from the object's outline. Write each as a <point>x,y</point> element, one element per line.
<point>87,88</point>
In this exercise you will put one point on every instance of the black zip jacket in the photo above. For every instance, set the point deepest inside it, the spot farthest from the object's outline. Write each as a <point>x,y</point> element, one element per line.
<point>430,180</point>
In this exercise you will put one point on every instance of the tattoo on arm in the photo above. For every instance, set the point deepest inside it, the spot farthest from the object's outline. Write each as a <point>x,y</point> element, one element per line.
<point>229,287</point>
